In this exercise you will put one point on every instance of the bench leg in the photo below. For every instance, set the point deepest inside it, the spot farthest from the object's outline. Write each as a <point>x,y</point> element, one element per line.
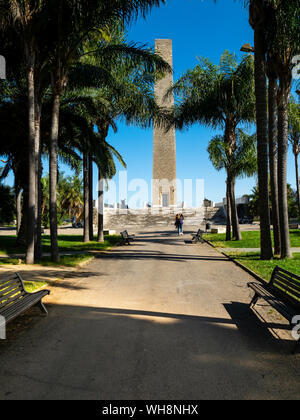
<point>254,300</point>
<point>42,307</point>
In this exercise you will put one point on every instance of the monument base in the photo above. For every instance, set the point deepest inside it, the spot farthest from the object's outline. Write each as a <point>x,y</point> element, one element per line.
<point>158,216</point>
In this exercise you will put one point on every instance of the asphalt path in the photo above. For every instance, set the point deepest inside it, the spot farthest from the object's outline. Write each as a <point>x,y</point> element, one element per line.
<point>161,319</point>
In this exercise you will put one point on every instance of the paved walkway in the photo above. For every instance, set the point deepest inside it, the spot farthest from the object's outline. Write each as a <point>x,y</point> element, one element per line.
<point>157,320</point>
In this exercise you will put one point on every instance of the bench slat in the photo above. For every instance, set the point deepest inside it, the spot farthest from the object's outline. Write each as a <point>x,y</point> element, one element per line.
<point>289,274</point>
<point>283,288</point>
<point>23,304</point>
<point>28,299</point>
<point>14,300</point>
<point>286,277</point>
<point>8,289</point>
<point>8,284</point>
<point>10,301</point>
<point>286,284</point>
<point>274,301</point>
<point>9,279</point>
<point>13,292</point>
<point>282,293</point>
<point>286,297</point>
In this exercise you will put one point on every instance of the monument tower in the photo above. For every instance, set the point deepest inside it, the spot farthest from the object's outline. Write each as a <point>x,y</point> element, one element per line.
<point>164,144</point>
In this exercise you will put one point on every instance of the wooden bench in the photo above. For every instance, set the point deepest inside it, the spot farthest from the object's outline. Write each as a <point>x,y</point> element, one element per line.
<point>126,238</point>
<point>198,237</point>
<point>14,300</point>
<point>282,293</point>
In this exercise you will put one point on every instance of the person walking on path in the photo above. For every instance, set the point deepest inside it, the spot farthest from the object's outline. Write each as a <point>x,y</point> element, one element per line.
<point>179,223</point>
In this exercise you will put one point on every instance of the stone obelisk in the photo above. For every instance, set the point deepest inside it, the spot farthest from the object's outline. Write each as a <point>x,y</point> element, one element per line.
<point>164,144</point>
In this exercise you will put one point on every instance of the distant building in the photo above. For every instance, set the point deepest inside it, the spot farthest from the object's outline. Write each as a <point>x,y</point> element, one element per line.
<point>242,204</point>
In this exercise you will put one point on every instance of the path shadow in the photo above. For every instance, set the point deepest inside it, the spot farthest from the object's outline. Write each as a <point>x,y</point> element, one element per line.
<point>154,255</point>
<point>255,329</point>
<point>54,278</point>
<point>82,352</point>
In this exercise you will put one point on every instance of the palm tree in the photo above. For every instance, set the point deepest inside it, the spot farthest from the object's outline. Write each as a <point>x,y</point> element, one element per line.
<point>220,97</point>
<point>71,199</point>
<point>78,138</point>
<point>72,22</point>
<point>258,17</point>
<point>285,44</point>
<point>273,150</point>
<point>23,19</point>
<point>294,137</point>
<point>118,80</point>
<point>276,32</point>
<point>242,162</point>
<point>106,170</point>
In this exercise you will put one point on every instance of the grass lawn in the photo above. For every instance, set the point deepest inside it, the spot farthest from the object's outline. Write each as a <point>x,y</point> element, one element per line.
<point>8,245</point>
<point>250,240</point>
<point>9,261</point>
<point>66,243</point>
<point>265,268</point>
<point>33,286</point>
<point>69,243</point>
<point>66,260</point>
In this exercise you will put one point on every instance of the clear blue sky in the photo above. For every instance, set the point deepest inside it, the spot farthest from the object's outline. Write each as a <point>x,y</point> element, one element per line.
<point>197,28</point>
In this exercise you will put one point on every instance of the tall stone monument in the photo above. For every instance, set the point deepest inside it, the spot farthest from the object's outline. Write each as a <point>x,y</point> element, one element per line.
<point>164,144</point>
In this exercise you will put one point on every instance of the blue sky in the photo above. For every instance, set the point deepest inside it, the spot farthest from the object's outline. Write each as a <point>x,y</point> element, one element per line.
<point>197,28</point>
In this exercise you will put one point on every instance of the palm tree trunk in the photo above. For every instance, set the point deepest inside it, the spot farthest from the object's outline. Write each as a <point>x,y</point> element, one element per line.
<point>272,99</point>
<point>22,233</point>
<point>236,232</point>
<point>100,237</point>
<point>53,178</point>
<point>18,198</point>
<point>19,208</point>
<point>283,129</point>
<point>230,135</point>
<point>32,160</point>
<point>228,212</point>
<point>38,192</point>
<point>262,144</point>
<point>297,182</point>
<point>86,236</point>
<point>91,204</point>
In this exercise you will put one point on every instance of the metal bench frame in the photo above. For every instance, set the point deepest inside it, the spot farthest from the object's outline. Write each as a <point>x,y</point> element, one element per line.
<point>282,293</point>
<point>198,237</point>
<point>126,238</point>
<point>14,300</point>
